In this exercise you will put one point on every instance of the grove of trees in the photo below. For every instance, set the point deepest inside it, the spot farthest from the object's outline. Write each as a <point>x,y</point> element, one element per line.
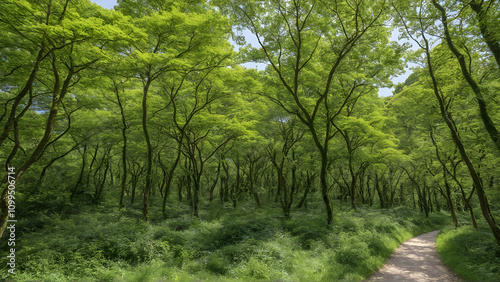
<point>149,103</point>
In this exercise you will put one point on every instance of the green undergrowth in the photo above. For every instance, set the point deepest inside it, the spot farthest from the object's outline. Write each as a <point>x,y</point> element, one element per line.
<point>249,243</point>
<point>473,254</point>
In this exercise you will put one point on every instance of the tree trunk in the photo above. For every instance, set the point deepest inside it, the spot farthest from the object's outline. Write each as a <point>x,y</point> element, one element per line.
<point>149,155</point>
<point>488,31</point>
<point>494,46</point>
<point>134,185</point>
<point>324,188</point>
<point>377,187</point>
<point>309,182</point>
<point>450,203</point>
<point>170,177</point>
<point>483,202</point>
<point>196,194</point>
<point>26,89</point>
<point>124,149</point>
<point>80,178</point>
<point>212,188</point>
<point>353,183</point>
<point>58,94</point>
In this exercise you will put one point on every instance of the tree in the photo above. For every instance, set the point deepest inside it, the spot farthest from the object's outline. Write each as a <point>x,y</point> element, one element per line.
<point>173,39</point>
<point>289,134</point>
<point>422,27</point>
<point>307,54</point>
<point>68,38</point>
<point>466,70</point>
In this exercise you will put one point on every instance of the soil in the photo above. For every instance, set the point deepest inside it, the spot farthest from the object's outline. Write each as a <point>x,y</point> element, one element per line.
<point>416,260</point>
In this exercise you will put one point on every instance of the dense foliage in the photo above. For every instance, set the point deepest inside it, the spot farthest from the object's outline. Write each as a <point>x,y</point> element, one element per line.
<point>473,254</point>
<point>134,136</point>
<point>250,244</point>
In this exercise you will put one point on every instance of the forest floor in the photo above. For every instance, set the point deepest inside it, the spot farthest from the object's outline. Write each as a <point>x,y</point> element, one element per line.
<point>416,260</point>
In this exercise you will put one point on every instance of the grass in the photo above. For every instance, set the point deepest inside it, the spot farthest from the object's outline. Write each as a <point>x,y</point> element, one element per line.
<point>249,243</point>
<point>473,254</point>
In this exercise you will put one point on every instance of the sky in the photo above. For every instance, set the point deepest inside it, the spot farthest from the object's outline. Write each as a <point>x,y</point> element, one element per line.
<point>108,4</point>
<point>250,38</point>
<point>383,92</point>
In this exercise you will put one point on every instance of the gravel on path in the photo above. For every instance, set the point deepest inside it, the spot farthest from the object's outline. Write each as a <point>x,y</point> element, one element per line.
<point>416,260</point>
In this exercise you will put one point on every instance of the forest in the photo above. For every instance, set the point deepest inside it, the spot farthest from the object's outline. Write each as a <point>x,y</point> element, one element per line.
<point>137,145</point>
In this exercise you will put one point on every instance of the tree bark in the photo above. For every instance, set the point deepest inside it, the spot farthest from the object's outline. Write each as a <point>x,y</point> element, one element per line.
<point>446,184</point>
<point>149,156</point>
<point>58,94</point>
<point>487,29</point>
<point>483,202</point>
<point>26,89</point>
<point>495,47</point>
<point>124,148</point>
<point>324,188</point>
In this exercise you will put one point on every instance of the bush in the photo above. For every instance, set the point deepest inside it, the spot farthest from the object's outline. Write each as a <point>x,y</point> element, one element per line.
<point>108,244</point>
<point>473,254</point>
<point>232,233</point>
<point>217,263</point>
<point>307,230</point>
<point>81,245</point>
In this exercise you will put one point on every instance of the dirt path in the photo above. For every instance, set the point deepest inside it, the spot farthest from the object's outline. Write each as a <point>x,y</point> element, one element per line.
<point>416,260</point>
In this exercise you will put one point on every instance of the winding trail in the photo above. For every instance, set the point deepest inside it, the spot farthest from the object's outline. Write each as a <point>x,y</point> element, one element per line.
<point>416,260</point>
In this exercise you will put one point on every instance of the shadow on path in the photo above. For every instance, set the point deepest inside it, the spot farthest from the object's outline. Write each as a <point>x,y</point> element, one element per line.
<point>416,260</point>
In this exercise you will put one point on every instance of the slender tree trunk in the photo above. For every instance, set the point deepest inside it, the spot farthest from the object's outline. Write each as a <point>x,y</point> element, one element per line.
<point>17,101</point>
<point>225,166</point>
<point>377,187</point>
<point>58,94</point>
<point>170,176</point>
<point>488,31</point>
<point>235,191</point>
<point>124,149</point>
<point>179,188</point>
<point>370,196</point>
<point>149,156</point>
<point>425,203</point>
<point>494,46</point>
<point>214,185</point>
<point>324,187</point>
<point>362,188</point>
<point>100,185</point>
<point>196,193</point>
<point>469,206</point>
<point>421,194</point>
<point>80,178</point>
<point>450,203</point>
<point>309,182</point>
<point>251,179</point>
<point>483,202</point>
<point>353,182</point>
<point>413,196</point>
<point>448,197</point>
<point>134,185</point>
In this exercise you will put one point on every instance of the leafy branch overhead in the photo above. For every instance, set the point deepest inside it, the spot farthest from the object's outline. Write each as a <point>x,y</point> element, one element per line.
<point>149,113</point>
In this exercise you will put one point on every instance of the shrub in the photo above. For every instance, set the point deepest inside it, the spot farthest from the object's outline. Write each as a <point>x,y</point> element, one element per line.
<point>257,269</point>
<point>109,244</point>
<point>307,230</point>
<point>217,263</point>
<point>473,254</point>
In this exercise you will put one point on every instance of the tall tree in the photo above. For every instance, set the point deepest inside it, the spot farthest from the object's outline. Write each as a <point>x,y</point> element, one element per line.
<point>494,46</point>
<point>301,42</point>
<point>421,27</point>
<point>63,39</point>
<point>174,38</point>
